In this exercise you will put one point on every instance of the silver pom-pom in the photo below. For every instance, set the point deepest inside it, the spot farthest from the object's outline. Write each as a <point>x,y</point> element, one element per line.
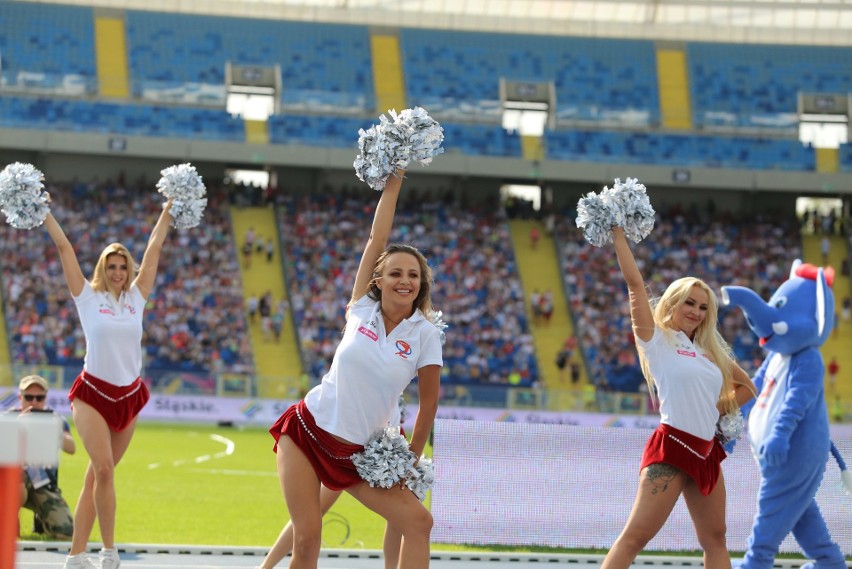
<point>22,197</point>
<point>386,460</point>
<point>596,216</point>
<point>183,183</point>
<point>421,136</point>
<point>424,480</point>
<point>391,145</point>
<point>635,213</point>
<point>625,205</point>
<point>437,318</point>
<point>730,426</point>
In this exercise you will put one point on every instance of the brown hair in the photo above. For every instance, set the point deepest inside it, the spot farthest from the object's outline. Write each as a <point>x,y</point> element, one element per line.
<point>99,279</point>
<point>424,296</point>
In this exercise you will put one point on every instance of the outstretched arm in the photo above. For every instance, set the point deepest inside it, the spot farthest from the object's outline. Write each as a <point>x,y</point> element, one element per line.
<point>379,234</point>
<point>70,266</point>
<point>148,269</point>
<point>640,307</point>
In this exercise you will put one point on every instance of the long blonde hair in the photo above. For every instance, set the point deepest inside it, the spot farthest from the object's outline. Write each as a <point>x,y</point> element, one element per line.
<point>99,278</point>
<point>706,335</point>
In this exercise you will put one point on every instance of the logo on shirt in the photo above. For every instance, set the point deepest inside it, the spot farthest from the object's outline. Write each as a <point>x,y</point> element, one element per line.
<point>686,353</point>
<point>403,349</point>
<point>369,333</point>
<point>130,309</point>
<point>768,386</point>
<point>106,309</point>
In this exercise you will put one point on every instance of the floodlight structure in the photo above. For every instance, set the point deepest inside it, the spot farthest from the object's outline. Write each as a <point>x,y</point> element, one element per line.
<point>824,119</point>
<point>253,91</point>
<point>528,107</point>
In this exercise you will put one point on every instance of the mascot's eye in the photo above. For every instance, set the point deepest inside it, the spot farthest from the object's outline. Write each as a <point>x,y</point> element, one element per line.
<point>780,301</point>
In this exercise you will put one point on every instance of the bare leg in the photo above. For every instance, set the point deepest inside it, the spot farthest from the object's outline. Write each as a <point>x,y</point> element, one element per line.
<point>660,486</point>
<point>301,489</point>
<point>708,517</point>
<point>97,498</point>
<point>403,511</point>
<point>284,544</point>
<point>392,545</point>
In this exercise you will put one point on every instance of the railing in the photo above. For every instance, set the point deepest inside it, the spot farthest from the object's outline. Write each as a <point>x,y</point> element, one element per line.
<point>233,385</point>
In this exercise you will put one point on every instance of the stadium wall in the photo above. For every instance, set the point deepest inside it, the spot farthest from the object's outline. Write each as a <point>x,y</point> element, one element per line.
<point>66,155</point>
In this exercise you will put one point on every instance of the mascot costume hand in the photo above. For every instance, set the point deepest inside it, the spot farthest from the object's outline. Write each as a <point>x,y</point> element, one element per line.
<point>788,422</point>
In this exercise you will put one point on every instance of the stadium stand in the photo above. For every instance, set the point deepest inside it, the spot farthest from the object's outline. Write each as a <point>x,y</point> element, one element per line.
<point>47,49</point>
<point>758,85</point>
<point>476,281</point>
<point>325,61</point>
<point>722,250</point>
<point>608,112</point>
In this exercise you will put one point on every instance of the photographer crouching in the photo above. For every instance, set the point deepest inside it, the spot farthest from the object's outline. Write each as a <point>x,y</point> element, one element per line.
<point>40,485</point>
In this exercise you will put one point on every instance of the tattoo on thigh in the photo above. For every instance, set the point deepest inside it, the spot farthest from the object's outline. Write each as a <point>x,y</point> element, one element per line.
<point>660,476</point>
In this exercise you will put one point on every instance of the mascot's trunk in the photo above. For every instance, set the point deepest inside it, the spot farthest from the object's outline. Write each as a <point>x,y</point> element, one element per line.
<point>755,309</point>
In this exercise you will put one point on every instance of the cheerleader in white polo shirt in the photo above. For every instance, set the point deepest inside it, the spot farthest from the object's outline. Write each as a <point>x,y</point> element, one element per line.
<point>387,341</point>
<point>108,394</point>
<point>690,368</point>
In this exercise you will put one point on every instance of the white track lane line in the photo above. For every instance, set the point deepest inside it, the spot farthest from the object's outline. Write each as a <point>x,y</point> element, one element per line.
<point>229,450</point>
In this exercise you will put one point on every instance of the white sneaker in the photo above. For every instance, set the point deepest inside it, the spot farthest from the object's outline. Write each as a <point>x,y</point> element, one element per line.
<point>110,559</point>
<point>79,561</point>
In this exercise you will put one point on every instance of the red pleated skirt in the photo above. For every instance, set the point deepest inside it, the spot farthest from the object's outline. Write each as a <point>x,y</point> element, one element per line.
<point>700,459</point>
<point>117,405</point>
<point>329,457</point>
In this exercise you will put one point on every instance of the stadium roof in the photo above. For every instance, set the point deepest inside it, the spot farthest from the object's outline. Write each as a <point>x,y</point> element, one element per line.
<point>808,22</point>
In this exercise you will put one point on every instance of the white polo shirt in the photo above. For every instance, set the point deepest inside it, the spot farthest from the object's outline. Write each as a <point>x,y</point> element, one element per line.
<point>360,393</point>
<point>688,383</point>
<point>113,330</point>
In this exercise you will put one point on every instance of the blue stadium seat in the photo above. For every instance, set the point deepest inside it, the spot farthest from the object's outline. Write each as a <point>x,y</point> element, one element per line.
<point>139,120</point>
<point>594,78</point>
<point>680,150</point>
<point>758,85</point>
<point>169,50</point>
<point>47,48</point>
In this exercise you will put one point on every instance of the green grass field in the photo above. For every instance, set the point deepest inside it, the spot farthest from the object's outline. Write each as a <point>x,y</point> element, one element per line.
<point>176,485</point>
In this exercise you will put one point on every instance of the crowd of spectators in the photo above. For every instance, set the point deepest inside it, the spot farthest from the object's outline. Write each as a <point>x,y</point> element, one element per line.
<point>194,319</point>
<point>755,252</point>
<point>477,286</point>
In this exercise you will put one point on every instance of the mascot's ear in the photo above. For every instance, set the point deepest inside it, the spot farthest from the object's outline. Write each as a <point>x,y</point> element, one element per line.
<point>795,267</point>
<point>820,302</point>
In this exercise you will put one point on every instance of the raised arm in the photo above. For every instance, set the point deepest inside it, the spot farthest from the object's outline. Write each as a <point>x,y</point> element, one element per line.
<point>379,234</point>
<point>148,269</point>
<point>70,266</point>
<point>640,307</point>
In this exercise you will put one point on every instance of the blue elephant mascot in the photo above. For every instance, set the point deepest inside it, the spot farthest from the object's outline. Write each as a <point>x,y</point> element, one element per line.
<point>788,422</point>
